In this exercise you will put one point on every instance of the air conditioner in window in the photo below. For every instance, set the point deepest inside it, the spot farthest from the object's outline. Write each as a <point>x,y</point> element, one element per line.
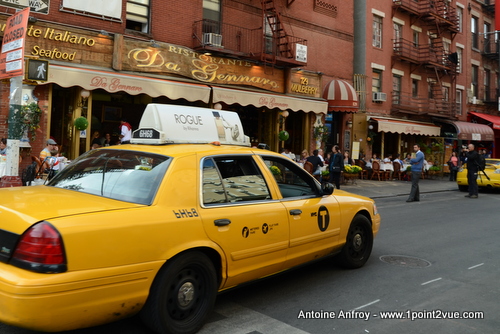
<point>212,39</point>
<point>379,97</point>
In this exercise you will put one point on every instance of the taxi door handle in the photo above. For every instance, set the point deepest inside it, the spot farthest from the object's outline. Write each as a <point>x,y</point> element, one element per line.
<point>295,212</point>
<point>222,222</point>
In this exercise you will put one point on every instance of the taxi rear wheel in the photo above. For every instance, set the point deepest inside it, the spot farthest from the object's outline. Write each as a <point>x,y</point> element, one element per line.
<point>463,188</point>
<point>182,295</point>
<point>359,243</point>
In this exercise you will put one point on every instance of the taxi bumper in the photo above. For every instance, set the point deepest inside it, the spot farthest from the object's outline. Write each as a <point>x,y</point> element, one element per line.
<point>59,302</point>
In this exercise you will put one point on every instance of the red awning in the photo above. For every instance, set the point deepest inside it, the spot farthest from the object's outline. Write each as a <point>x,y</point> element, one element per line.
<point>341,96</point>
<point>494,120</point>
<point>472,131</point>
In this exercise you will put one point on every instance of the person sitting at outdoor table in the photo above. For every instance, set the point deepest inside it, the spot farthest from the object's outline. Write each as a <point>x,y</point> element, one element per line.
<point>315,161</point>
<point>407,159</point>
<point>388,159</point>
<point>374,158</point>
<point>51,145</point>
<point>387,165</point>
<point>398,160</point>
<point>303,156</point>
<point>3,146</point>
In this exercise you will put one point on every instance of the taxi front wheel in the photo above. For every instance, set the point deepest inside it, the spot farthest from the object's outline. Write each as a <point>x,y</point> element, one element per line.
<point>182,295</point>
<point>359,243</point>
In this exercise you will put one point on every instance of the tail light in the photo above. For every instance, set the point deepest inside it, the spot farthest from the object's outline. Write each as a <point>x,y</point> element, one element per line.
<point>40,249</point>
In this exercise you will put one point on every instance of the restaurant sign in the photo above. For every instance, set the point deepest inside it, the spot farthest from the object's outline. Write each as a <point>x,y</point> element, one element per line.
<point>304,83</point>
<point>182,61</point>
<point>36,6</point>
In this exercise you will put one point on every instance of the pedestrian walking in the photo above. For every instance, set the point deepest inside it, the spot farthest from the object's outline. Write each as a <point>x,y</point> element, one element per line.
<point>472,170</point>
<point>336,166</point>
<point>417,165</point>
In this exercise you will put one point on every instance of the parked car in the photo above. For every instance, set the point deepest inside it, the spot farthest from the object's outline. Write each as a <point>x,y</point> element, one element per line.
<point>492,170</point>
<point>159,226</point>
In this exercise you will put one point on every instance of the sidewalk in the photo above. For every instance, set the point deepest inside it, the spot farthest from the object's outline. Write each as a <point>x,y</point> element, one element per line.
<point>380,189</point>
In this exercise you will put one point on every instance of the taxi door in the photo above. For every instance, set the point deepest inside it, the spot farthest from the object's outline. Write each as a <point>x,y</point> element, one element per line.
<point>314,219</point>
<point>239,215</point>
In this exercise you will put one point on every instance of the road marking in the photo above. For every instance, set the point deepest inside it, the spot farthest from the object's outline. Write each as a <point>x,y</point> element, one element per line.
<point>477,265</point>
<point>363,306</point>
<point>434,280</point>
<point>242,320</point>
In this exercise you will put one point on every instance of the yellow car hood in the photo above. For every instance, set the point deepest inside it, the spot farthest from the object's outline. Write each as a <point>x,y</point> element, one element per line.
<point>20,207</point>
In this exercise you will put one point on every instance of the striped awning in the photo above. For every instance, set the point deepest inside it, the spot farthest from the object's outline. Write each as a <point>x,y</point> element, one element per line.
<point>341,96</point>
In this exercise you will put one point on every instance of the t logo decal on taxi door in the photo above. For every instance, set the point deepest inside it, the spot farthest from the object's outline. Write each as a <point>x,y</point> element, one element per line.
<point>323,218</point>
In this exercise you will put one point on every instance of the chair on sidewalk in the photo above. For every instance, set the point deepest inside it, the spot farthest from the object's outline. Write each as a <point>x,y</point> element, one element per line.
<point>364,173</point>
<point>308,166</point>
<point>376,170</point>
<point>397,170</point>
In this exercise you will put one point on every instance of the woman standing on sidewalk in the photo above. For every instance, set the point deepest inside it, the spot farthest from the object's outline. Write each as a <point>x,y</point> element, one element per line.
<point>453,165</point>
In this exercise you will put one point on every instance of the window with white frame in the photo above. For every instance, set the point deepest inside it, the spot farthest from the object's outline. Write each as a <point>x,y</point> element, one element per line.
<point>138,15</point>
<point>398,36</point>
<point>416,35</point>
<point>211,16</point>
<point>458,101</point>
<point>474,27</point>
<point>446,51</point>
<point>474,80</point>
<point>446,94</point>
<point>377,31</point>
<point>487,85</point>
<point>376,81</point>
<point>487,38</point>
<point>396,88</point>
<point>460,14</point>
<point>414,88</point>
<point>460,53</point>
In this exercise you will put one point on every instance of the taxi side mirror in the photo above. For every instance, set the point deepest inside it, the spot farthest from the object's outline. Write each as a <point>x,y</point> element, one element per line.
<point>327,188</point>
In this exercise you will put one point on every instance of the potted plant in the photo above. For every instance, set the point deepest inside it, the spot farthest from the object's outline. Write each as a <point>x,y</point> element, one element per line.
<point>351,172</point>
<point>325,175</point>
<point>30,116</point>
<point>321,133</point>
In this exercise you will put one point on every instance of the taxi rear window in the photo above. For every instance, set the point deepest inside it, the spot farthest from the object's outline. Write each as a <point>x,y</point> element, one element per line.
<point>118,174</point>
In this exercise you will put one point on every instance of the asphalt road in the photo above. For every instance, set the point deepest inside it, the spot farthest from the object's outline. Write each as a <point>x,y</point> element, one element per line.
<point>435,260</point>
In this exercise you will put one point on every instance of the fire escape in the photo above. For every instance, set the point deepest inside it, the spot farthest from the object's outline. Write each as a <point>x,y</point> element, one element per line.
<point>269,43</point>
<point>433,60</point>
<point>490,51</point>
<point>277,41</point>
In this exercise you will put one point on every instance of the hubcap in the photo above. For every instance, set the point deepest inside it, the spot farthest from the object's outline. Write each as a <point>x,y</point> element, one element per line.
<point>185,294</point>
<point>357,241</point>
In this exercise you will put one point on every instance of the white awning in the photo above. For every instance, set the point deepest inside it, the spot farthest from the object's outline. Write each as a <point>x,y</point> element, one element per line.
<point>132,84</point>
<point>244,98</point>
<point>408,127</point>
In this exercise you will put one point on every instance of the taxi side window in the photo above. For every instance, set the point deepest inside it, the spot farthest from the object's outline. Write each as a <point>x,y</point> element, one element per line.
<point>292,180</point>
<point>232,179</point>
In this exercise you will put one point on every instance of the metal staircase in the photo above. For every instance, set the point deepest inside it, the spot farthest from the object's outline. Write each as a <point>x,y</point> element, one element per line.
<point>278,42</point>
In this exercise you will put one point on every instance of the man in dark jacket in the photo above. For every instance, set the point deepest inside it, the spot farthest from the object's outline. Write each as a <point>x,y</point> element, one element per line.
<point>316,161</point>
<point>336,166</point>
<point>472,170</point>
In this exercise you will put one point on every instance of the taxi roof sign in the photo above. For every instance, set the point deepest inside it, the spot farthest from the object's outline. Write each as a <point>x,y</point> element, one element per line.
<point>172,124</point>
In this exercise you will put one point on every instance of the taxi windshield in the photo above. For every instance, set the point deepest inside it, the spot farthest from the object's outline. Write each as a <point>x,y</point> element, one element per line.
<point>118,174</point>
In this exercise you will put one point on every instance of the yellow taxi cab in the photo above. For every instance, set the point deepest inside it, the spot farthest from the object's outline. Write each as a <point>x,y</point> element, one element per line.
<point>161,225</point>
<point>492,170</point>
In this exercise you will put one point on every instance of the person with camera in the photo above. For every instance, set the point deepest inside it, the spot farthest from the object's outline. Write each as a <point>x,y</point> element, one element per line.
<point>472,170</point>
